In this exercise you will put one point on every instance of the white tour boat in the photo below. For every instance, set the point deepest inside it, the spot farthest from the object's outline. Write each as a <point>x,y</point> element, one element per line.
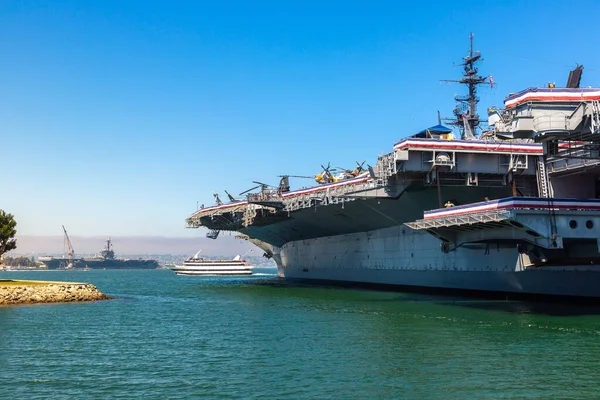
<point>197,265</point>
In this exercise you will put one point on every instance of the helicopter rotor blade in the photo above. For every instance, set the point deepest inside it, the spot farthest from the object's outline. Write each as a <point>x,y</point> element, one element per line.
<point>296,176</point>
<point>260,183</point>
<point>249,190</point>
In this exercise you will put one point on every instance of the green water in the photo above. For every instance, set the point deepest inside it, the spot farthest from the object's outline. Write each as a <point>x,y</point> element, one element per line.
<point>169,337</point>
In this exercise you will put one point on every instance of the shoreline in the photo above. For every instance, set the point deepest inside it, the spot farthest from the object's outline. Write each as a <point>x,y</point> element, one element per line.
<point>14,292</point>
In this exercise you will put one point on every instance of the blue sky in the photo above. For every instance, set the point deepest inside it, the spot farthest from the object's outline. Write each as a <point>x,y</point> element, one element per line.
<point>117,117</point>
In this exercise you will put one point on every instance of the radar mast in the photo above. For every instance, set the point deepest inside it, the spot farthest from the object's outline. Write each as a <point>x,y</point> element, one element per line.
<point>466,117</point>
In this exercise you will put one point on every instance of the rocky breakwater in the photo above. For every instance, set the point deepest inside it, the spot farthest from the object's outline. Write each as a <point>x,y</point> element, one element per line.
<point>29,292</point>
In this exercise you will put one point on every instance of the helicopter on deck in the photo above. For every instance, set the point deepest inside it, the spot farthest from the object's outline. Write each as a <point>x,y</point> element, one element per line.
<point>270,190</point>
<point>337,174</point>
<point>327,175</point>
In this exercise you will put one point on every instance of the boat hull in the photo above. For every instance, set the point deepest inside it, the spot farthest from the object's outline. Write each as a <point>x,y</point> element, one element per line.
<point>201,267</point>
<point>82,263</point>
<point>560,282</point>
<point>187,272</point>
<point>401,257</point>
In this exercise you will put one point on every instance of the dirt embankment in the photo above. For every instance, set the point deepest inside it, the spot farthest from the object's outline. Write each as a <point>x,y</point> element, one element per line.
<point>23,292</point>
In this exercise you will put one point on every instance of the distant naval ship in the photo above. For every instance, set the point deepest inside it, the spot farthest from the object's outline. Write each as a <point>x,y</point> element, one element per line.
<point>105,260</point>
<point>513,208</point>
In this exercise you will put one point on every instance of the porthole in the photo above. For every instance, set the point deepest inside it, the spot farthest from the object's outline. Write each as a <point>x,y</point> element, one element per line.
<point>589,224</point>
<point>573,224</point>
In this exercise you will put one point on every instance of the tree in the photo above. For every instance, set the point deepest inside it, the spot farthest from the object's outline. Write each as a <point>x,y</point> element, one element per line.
<point>8,231</point>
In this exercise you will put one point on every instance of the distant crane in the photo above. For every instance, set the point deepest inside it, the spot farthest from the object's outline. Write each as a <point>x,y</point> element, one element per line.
<point>69,248</point>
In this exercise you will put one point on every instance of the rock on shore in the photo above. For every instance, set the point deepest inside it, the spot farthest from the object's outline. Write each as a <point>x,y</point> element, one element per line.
<point>23,293</point>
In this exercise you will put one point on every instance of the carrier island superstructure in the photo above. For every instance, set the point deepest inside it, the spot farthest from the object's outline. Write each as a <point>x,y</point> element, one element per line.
<point>513,209</point>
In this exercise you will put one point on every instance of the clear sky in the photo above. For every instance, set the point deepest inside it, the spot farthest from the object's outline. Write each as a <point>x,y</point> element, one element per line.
<point>117,117</point>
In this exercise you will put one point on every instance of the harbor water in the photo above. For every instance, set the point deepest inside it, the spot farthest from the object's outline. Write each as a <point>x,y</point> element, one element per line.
<point>175,337</point>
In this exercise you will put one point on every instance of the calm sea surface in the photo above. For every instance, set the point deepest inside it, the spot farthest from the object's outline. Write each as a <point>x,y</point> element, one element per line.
<point>172,337</point>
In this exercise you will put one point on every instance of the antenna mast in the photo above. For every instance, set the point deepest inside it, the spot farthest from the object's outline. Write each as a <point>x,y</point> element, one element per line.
<point>466,109</point>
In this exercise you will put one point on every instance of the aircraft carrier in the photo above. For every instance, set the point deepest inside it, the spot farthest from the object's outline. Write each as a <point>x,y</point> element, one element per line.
<point>513,208</point>
<point>105,260</point>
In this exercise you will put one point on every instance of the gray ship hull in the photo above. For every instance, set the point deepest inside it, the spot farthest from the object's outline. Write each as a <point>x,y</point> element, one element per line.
<point>568,281</point>
<point>366,242</point>
<point>62,263</point>
<point>121,264</point>
<point>81,263</point>
<point>399,256</point>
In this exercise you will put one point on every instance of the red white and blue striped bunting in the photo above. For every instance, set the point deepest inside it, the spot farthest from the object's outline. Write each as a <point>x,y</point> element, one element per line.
<point>515,202</point>
<point>474,146</point>
<point>470,145</point>
<point>362,178</point>
<point>547,94</point>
